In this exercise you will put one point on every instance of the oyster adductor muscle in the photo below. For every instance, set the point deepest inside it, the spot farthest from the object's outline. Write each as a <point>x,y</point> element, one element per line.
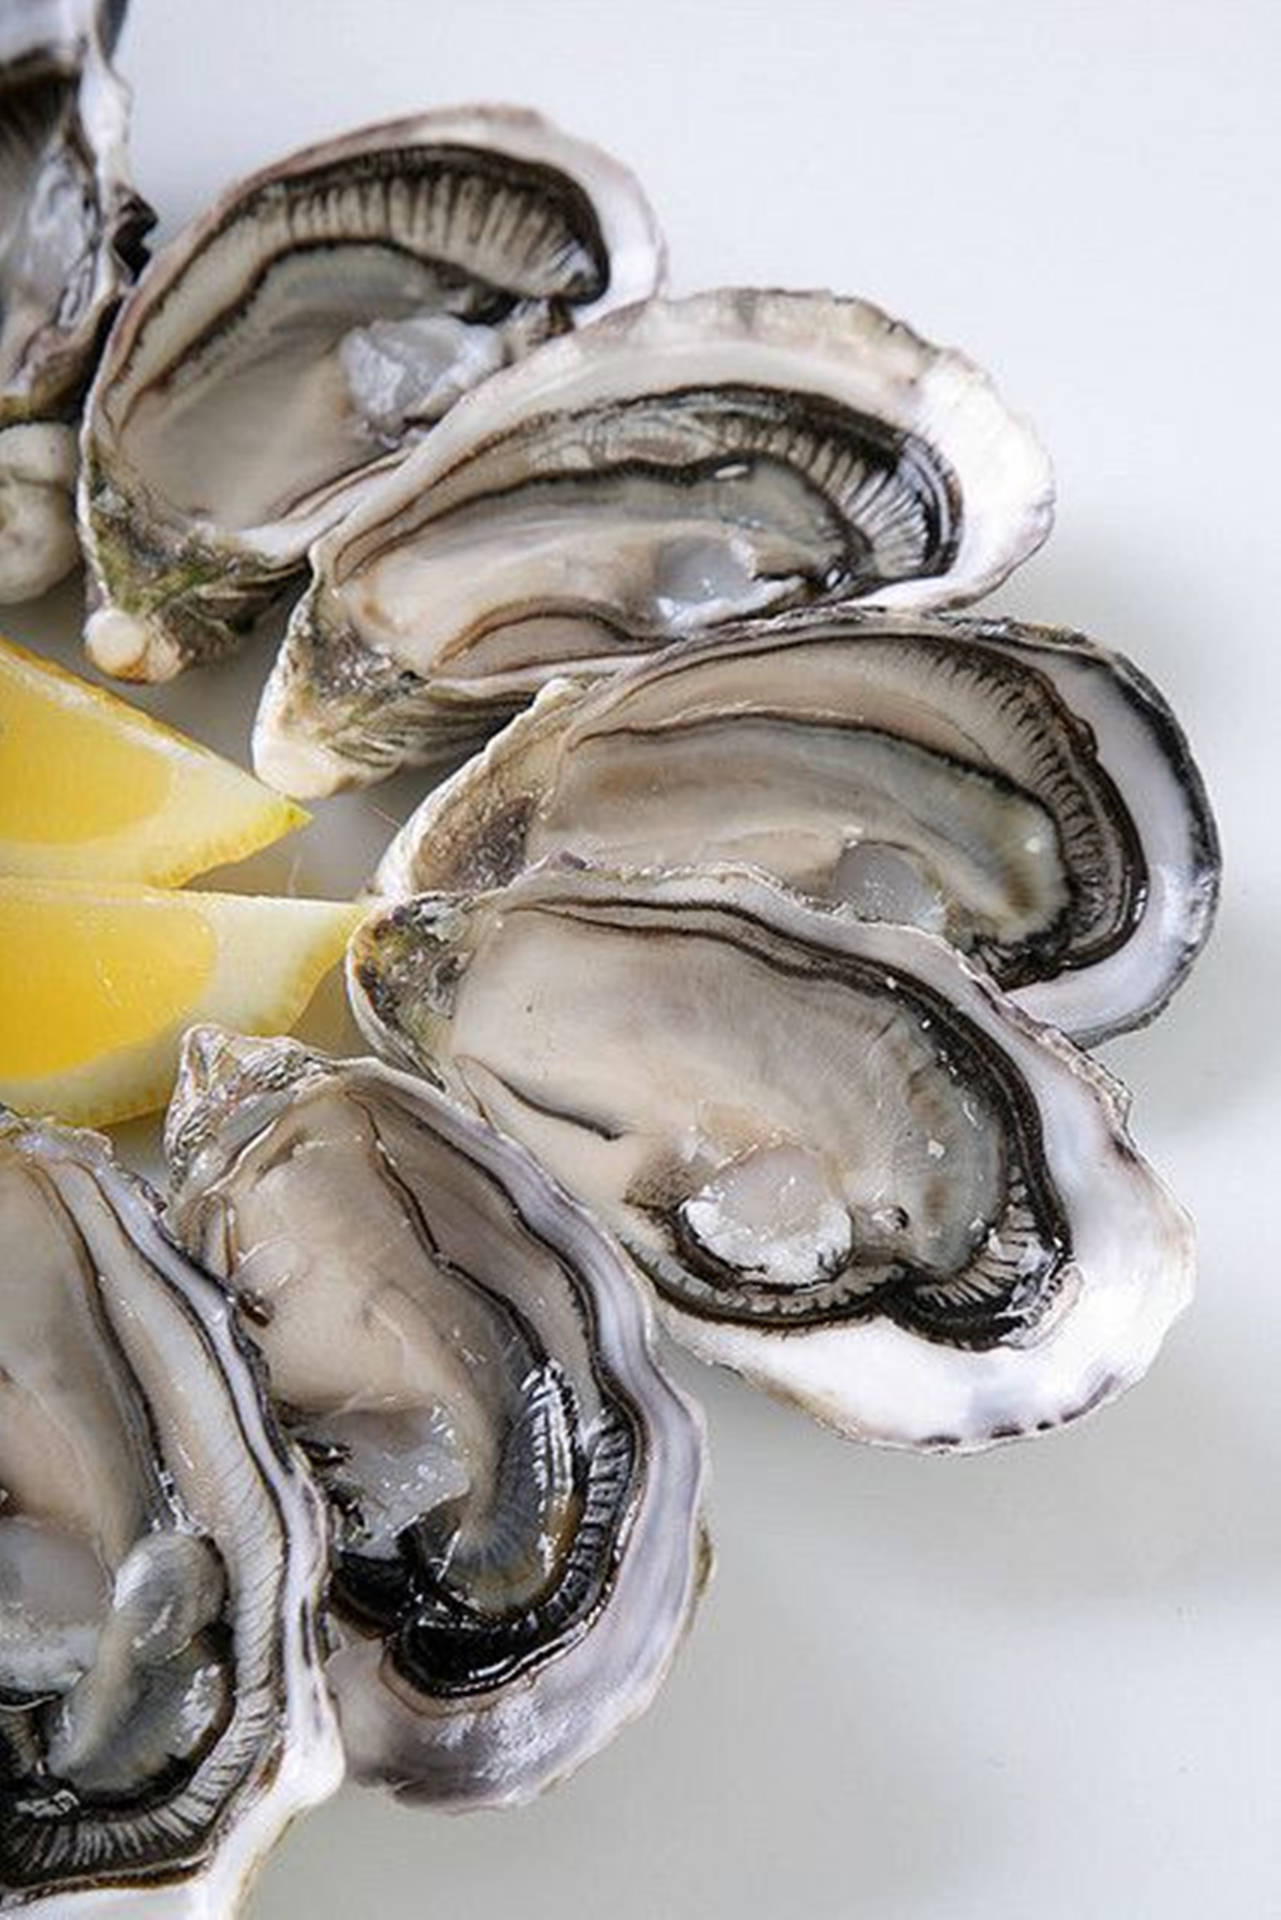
<point>71,230</point>
<point>1018,790</point>
<point>465,1359</point>
<point>305,332</point>
<point>661,472</point>
<point>851,1168</point>
<point>163,1714</point>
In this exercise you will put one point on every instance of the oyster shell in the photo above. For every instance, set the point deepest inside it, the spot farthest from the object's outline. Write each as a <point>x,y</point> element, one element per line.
<point>308,329</point>
<point>465,1358</point>
<point>71,229</point>
<point>1016,789</point>
<point>162,1710</point>
<point>852,1169</point>
<point>655,475</point>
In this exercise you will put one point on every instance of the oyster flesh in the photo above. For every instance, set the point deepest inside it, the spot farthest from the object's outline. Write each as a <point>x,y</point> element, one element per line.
<point>304,332</point>
<point>659,473</point>
<point>852,1169</point>
<point>1016,789</point>
<point>71,229</point>
<point>465,1358</point>
<point>162,1708</point>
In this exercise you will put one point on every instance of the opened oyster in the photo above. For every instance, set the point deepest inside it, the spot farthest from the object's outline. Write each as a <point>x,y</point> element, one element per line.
<point>1019,791</point>
<point>465,1359</point>
<point>71,228</point>
<point>307,330</point>
<point>162,1712</point>
<point>655,475</point>
<point>851,1168</point>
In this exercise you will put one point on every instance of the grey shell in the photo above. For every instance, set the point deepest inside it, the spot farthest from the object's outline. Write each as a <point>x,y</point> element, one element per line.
<point>163,1714</point>
<point>305,332</point>
<point>666,470</point>
<point>1018,790</point>
<point>515,1485</point>
<point>850,1166</point>
<point>71,230</point>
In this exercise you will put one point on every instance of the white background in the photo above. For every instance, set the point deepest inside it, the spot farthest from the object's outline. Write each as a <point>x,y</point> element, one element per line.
<point>1045,1682</point>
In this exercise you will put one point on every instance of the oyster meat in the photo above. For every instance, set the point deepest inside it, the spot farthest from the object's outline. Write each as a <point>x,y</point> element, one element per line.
<point>654,475</point>
<point>1019,791</point>
<point>162,1709</point>
<point>71,231</point>
<point>852,1169</point>
<point>465,1358</point>
<point>305,332</point>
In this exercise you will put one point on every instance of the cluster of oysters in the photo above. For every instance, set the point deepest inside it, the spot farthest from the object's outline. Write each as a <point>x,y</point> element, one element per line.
<point>769,928</point>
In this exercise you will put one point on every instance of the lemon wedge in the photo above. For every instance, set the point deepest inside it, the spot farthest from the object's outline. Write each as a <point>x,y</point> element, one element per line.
<point>98,984</point>
<point>92,787</point>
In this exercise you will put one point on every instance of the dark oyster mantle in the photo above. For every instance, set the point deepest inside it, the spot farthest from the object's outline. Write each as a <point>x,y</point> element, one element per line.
<point>162,1712</point>
<point>852,1168</point>
<point>465,1359</point>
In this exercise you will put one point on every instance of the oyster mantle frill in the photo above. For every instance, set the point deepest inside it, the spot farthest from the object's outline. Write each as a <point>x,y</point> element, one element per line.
<point>851,1168</point>
<point>516,1487</point>
<point>162,1710</point>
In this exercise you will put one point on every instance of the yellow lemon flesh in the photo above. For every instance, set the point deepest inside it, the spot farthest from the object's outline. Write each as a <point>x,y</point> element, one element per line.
<point>98,984</point>
<point>92,787</point>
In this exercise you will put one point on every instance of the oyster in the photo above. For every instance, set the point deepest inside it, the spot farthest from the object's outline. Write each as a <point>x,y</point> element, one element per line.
<point>162,1710</point>
<point>465,1358</point>
<point>71,229</point>
<point>1020,791</point>
<point>308,329</point>
<point>851,1168</point>
<point>655,475</point>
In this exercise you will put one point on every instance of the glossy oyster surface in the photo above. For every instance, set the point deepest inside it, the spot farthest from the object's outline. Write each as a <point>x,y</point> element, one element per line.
<point>658,474</point>
<point>305,332</point>
<point>851,1168</point>
<point>70,243</point>
<point>162,1711</point>
<point>465,1358</point>
<point>1018,790</point>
